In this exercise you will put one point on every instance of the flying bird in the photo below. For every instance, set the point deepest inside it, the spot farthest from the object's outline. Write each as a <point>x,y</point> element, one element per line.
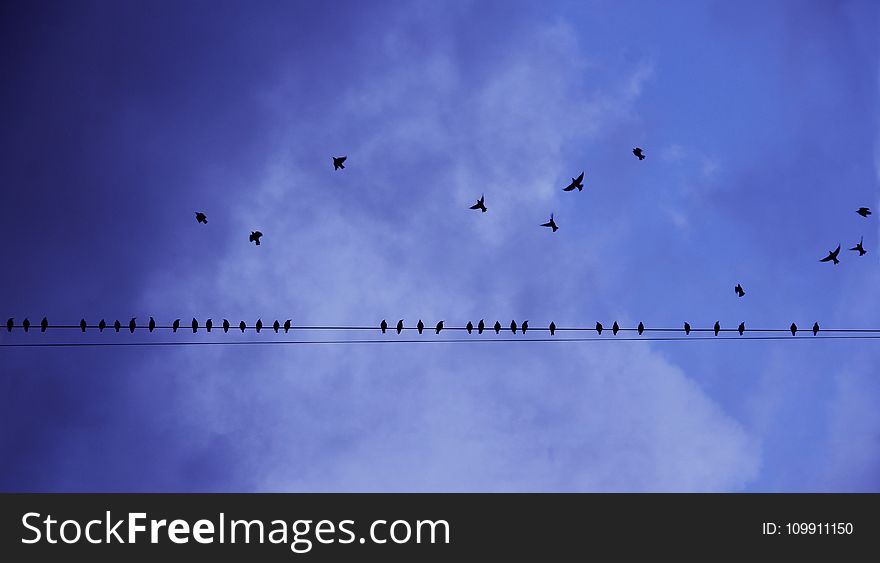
<point>641,328</point>
<point>225,325</point>
<point>195,325</point>
<point>576,183</point>
<point>497,327</point>
<point>860,248</point>
<point>174,326</point>
<point>638,152</point>
<point>481,327</point>
<point>739,290</point>
<point>117,325</point>
<point>259,325</point>
<point>470,327</point>
<point>815,329</point>
<point>513,327</point>
<point>152,325</point>
<point>209,324</point>
<point>439,327</point>
<point>255,237</point>
<point>742,328</point>
<point>9,323</point>
<point>276,326</point>
<point>288,321</point>
<point>481,204</point>
<point>26,324</point>
<point>552,328</point>
<point>242,326</point>
<point>82,325</point>
<point>717,328</point>
<point>420,326</point>
<point>201,217</point>
<point>102,325</point>
<point>687,328</point>
<point>614,328</point>
<point>793,329</point>
<point>44,324</point>
<point>383,326</point>
<point>599,327</point>
<point>337,162</point>
<point>863,211</point>
<point>525,326</point>
<point>551,223</point>
<point>832,256</point>
<point>132,325</point>
<point>399,326</point>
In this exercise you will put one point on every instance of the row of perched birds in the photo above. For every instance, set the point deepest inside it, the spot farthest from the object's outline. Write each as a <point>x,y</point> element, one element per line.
<point>860,248</point>
<point>383,326</point>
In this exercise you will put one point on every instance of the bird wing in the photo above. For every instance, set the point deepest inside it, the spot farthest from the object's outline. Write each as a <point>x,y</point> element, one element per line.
<point>579,178</point>
<point>569,187</point>
<point>476,205</point>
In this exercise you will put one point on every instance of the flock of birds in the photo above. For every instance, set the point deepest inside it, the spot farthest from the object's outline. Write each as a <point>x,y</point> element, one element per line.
<point>860,247</point>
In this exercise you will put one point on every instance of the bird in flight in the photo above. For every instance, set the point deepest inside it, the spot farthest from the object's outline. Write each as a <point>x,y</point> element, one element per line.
<point>174,326</point>
<point>576,183</point>
<point>739,290</point>
<point>481,327</point>
<point>815,329</point>
<point>82,325</point>
<point>551,223</point>
<point>497,327</point>
<point>614,328</point>
<point>638,152</point>
<point>687,328</point>
<point>863,211</point>
<point>255,237</point>
<point>470,327</point>
<point>860,248</point>
<point>599,328</point>
<point>225,325</point>
<point>439,327</point>
<point>399,326</point>
<point>102,325</point>
<point>481,204</point>
<point>717,328</point>
<point>26,324</point>
<point>420,326</point>
<point>9,324</point>
<point>552,328</point>
<point>201,217</point>
<point>242,326</point>
<point>132,325</point>
<point>383,326</point>
<point>152,325</point>
<point>44,324</point>
<point>641,328</point>
<point>337,162</point>
<point>288,321</point>
<point>832,256</point>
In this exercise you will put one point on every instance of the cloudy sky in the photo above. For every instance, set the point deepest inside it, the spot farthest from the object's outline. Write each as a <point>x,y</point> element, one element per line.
<point>120,120</point>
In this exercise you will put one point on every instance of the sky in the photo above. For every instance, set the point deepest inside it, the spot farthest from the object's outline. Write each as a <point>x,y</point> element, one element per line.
<point>761,126</point>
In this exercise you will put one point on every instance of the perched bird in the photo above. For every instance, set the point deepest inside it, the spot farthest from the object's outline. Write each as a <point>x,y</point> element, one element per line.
<point>742,328</point>
<point>552,328</point>
<point>132,325</point>
<point>420,326</point>
<point>470,327</point>
<point>832,256</point>
<point>288,321</point>
<point>599,328</point>
<point>439,327</point>
<point>638,152</point>
<point>26,324</point>
<point>815,329</point>
<point>863,211</point>
<point>551,223</point>
<point>82,325</point>
<point>44,324</point>
<point>383,326</point>
<point>175,325</point>
<point>525,326</point>
<point>152,325</point>
<point>481,204</point>
<point>513,327</point>
<point>717,328</point>
<point>242,326</point>
<point>195,325</point>
<point>209,324</point>
<point>225,325</point>
<point>497,327</point>
<point>575,183</point>
<point>687,328</point>
<point>259,325</point>
<point>860,248</point>
<point>739,290</point>
<point>276,326</point>
<point>614,328</point>
<point>337,162</point>
<point>793,329</point>
<point>102,325</point>
<point>9,323</point>
<point>481,327</point>
<point>399,326</point>
<point>641,328</point>
<point>201,217</point>
<point>117,325</point>
<point>255,237</point>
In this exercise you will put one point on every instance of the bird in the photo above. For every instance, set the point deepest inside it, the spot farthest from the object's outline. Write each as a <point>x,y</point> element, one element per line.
<point>259,325</point>
<point>117,325</point>
<point>152,325</point>
<point>641,328</point>
<point>793,329</point>
<point>337,162</point>
<point>739,290</point>
<point>276,326</point>
<point>174,325</point>
<point>9,323</point>
<point>82,325</point>
<point>863,211</point>
<point>209,324</point>
<point>195,325</point>
<point>575,183</point>
<point>638,152</point>
<point>551,223</point>
<point>614,328</point>
<point>255,237</point>
<point>44,324</point>
<point>225,325</point>
<point>481,204</point>
<point>717,328</point>
<point>399,326</point>
<point>132,325</point>
<point>860,248</point>
<point>102,325</point>
<point>815,329</point>
<point>470,327</point>
<point>525,326</point>
<point>832,256</point>
<point>242,326</point>
<point>420,326</point>
<point>687,328</point>
<point>481,327</point>
<point>513,327</point>
<point>552,328</point>
<point>288,322</point>
<point>201,217</point>
<point>497,327</point>
<point>439,327</point>
<point>26,324</point>
<point>599,327</point>
<point>383,326</point>
<point>742,328</point>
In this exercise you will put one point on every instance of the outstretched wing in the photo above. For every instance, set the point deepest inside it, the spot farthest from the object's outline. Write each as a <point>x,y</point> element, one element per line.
<point>580,178</point>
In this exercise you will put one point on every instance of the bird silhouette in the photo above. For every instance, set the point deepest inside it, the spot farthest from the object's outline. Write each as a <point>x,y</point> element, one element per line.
<point>481,204</point>
<point>132,325</point>
<point>288,322</point>
<point>399,326</point>
<point>276,326</point>
<point>259,325</point>
<point>175,325</point>
<point>102,325</point>
<point>687,328</point>
<point>552,328</point>
<point>9,324</point>
<point>551,223</point>
<point>383,326</point>
<point>255,237</point>
<point>209,324</point>
<point>497,327</point>
<point>599,328</point>
<point>832,256</point>
<point>26,324</point>
<point>863,211</point>
<point>860,248</point>
<point>793,329</point>
<point>470,327</point>
<point>815,329</point>
<point>525,326</point>
<point>82,325</point>
<point>439,327</point>
<point>225,325</point>
<point>577,183</point>
<point>742,328</point>
<point>641,328</point>
<point>152,325</point>
<point>717,328</point>
<point>739,290</point>
<point>513,327</point>
<point>242,326</point>
<point>44,324</point>
<point>117,325</point>
<point>201,217</point>
<point>614,328</point>
<point>638,152</point>
<point>195,325</point>
<point>481,327</point>
<point>420,326</point>
<point>337,162</point>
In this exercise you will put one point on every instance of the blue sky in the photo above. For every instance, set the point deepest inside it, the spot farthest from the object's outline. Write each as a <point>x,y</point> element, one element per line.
<point>760,122</point>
